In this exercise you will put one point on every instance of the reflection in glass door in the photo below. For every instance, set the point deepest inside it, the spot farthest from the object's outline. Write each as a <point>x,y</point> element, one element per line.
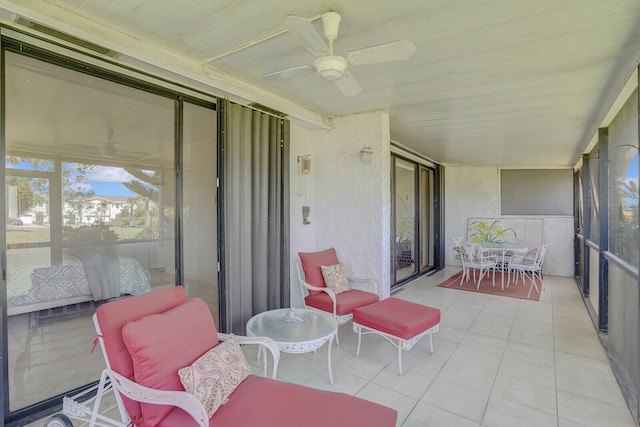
<point>426,198</point>
<point>199,208</point>
<point>90,208</point>
<point>404,244</point>
<point>412,224</point>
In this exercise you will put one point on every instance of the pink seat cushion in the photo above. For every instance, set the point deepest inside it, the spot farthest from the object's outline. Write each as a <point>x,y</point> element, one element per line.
<point>265,402</point>
<point>114,315</point>
<point>345,301</point>
<point>397,317</point>
<point>311,262</point>
<point>161,344</point>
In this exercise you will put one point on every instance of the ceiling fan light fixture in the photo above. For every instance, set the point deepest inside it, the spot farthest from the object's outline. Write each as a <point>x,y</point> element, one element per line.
<point>331,67</point>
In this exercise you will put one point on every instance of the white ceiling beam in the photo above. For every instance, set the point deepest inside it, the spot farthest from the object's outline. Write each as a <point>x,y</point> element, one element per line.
<point>145,51</point>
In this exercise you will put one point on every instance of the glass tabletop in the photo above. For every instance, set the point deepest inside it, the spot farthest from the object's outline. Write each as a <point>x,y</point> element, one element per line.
<point>270,324</point>
<point>503,245</point>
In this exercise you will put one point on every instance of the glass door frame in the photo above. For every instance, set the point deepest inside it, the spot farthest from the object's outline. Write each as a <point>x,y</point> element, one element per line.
<point>42,50</point>
<point>436,220</point>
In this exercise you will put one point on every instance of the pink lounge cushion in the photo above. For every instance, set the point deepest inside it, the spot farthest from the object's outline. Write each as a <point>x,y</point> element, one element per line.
<point>160,344</point>
<point>400,318</point>
<point>214,376</point>
<point>311,262</point>
<point>345,302</point>
<point>264,402</point>
<point>114,315</point>
<point>335,277</point>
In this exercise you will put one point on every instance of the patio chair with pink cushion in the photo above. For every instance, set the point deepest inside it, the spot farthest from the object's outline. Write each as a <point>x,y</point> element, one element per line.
<point>341,294</point>
<point>167,366</point>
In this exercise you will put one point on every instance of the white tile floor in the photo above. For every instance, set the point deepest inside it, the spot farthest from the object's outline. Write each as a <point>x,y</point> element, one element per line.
<point>498,361</point>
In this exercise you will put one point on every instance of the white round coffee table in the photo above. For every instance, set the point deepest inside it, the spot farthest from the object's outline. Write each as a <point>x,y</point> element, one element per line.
<point>296,337</point>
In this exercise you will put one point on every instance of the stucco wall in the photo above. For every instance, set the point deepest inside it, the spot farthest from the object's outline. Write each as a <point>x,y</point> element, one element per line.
<point>348,195</point>
<point>475,192</point>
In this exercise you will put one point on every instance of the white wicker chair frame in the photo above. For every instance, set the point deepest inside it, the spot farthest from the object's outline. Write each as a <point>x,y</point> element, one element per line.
<point>527,266</point>
<point>367,285</point>
<point>90,410</point>
<point>402,343</point>
<point>473,258</point>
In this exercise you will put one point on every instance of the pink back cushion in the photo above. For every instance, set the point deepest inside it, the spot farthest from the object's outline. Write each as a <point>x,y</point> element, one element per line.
<point>311,262</point>
<point>161,344</point>
<point>114,315</point>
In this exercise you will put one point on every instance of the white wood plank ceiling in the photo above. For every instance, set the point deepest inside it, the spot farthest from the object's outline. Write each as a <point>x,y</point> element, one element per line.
<point>516,83</point>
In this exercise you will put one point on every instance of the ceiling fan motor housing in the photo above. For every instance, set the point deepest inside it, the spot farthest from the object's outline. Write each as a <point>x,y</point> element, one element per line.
<point>331,24</point>
<point>331,67</point>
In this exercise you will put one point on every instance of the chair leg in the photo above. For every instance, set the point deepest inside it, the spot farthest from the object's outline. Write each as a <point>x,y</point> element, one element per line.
<point>400,357</point>
<point>359,332</point>
<point>533,283</point>
<point>479,279</point>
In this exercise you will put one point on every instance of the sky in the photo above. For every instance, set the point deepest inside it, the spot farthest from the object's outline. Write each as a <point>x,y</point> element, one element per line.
<point>108,181</point>
<point>103,180</point>
<point>632,170</point>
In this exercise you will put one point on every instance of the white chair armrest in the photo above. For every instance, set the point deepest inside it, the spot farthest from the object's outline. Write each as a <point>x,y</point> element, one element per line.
<point>523,260</point>
<point>183,400</point>
<point>367,285</point>
<point>326,290</point>
<point>265,342</point>
<point>311,287</point>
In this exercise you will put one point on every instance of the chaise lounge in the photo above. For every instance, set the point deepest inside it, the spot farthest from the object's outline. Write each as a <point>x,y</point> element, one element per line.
<point>152,342</point>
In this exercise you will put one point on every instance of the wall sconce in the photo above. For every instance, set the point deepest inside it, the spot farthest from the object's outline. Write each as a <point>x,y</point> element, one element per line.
<point>305,164</point>
<point>366,153</point>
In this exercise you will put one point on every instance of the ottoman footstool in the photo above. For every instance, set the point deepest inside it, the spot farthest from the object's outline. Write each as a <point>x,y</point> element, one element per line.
<point>396,319</point>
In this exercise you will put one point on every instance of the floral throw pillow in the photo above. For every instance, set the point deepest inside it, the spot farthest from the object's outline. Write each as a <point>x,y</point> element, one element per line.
<point>530,257</point>
<point>335,276</point>
<point>214,376</point>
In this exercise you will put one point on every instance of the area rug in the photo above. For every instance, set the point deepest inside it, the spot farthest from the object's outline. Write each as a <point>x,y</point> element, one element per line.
<point>517,290</point>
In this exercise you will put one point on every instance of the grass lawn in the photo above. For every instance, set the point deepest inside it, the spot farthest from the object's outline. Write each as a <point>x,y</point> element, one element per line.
<point>27,234</point>
<point>39,234</point>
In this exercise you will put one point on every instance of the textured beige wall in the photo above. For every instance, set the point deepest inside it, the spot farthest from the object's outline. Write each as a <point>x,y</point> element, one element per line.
<point>475,192</point>
<point>348,195</point>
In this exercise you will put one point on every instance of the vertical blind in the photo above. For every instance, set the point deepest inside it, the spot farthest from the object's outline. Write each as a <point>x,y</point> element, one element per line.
<point>256,224</point>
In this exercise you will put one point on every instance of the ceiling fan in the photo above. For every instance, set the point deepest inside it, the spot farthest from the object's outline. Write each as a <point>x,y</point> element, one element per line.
<point>108,149</point>
<point>334,67</point>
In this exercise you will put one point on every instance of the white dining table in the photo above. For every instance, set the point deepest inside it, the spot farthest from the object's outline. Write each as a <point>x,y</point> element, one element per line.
<point>503,248</point>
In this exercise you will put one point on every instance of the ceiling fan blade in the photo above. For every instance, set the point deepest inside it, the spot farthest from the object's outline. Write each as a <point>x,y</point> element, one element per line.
<point>285,74</point>
<point>304,31</point>
<point>348,85</point>
<point>395,51</point>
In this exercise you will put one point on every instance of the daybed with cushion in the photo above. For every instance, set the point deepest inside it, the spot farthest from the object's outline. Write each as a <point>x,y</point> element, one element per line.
<point>157,343</point>
<point>83,276</point>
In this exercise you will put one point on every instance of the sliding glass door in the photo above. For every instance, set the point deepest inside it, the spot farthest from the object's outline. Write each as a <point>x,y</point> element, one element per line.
<point>95,209</point>
<point>90,203</point>
<point>199,206</point>
<point>412,225</point>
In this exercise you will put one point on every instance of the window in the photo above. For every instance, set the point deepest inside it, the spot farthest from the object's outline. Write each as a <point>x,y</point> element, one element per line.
<point>594,198</point>
<point>623,184</point>
<point>536,191</point>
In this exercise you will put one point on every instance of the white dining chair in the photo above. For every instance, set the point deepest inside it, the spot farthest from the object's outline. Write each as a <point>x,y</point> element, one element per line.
<point>529,265</point>
<point>474,258</point>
